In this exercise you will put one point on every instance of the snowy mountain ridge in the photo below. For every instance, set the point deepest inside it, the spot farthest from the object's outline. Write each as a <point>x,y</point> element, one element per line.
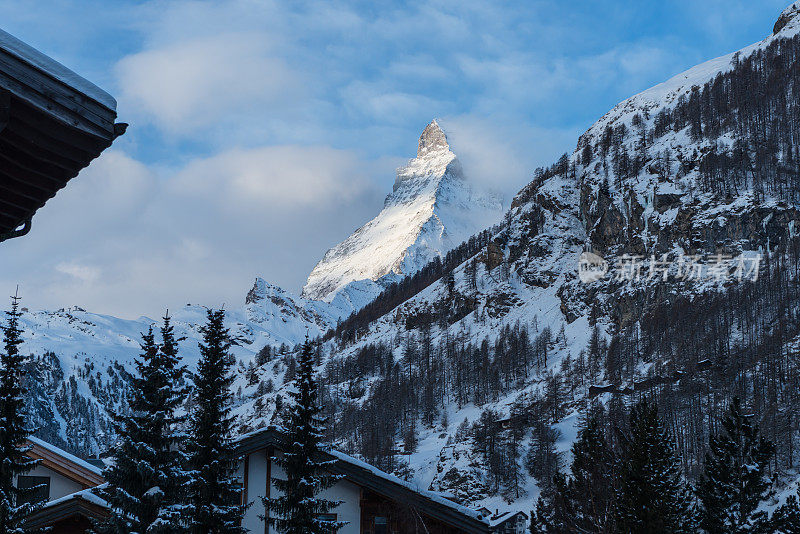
<point>431,209</point>
<point>640,181</point>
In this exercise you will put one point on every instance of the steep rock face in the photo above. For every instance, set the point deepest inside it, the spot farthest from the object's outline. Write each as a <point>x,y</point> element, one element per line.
<point>431,209</point>
<point>682,166</point>
<point>662,172</point>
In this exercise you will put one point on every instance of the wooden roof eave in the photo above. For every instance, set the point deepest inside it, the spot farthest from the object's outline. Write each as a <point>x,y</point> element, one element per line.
<point>76,506</point>
<point>49,132</point>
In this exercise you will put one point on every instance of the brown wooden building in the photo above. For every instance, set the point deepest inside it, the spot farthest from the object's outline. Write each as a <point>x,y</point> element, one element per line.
<point>67,486</point>
<point>372,502</point>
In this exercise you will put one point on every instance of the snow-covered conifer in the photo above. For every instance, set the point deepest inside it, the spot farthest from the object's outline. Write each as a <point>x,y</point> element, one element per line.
<point>214,492</point>
<point>735,476</point>
<point>15,503</point>
<point>299,509</point>
<point>144,481</point>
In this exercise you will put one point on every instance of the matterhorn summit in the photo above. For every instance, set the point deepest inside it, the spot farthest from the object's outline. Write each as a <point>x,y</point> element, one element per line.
<point>431,209</point>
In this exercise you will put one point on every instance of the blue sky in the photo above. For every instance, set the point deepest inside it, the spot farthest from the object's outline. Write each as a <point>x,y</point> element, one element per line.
<point>263,132</point>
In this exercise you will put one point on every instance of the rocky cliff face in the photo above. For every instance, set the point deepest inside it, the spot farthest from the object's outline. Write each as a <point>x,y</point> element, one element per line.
<point>431,209</point>
<point>702,166</point>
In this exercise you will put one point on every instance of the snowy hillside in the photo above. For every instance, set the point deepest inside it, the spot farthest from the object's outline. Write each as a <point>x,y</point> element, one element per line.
<point>431,209</point>
<point>83,359</point>
<point>511,345</point>
<point>473,374</point>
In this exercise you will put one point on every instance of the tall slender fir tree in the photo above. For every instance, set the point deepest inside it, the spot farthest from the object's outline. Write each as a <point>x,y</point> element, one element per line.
<point>299,509</point>
<point>171,461</point>
<point>14,502</point>
<point>144,482</point>
<point>652,496</point>
<point>214,497</point>
<point>584,502</point>
<point>735,477</point>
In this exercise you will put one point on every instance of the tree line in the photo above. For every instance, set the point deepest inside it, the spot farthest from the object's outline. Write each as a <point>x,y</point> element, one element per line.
<point>171,472</point>
<point>629,479</point>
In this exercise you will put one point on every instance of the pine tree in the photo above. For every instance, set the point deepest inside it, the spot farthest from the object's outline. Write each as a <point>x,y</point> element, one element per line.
<point>298,508</point>
<point>168,374</point>
<point>542,520</point>
<point>13,429</point>
<point>652,496</point>
<point>786,519</point>
<point>214,493</point>
<point>734,479</point>
<point>145,480</point>
<point>584,501</point>
<point>543,461</point>
<point>450,282</point>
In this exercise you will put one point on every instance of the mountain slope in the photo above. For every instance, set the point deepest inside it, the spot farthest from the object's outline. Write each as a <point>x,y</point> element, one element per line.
<point>457,384</point>
<point>463,376</point>
<point>431,209</point>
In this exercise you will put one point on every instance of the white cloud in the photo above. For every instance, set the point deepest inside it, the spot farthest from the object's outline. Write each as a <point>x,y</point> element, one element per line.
<point>125,240</point>
<point>500,154</point>
<point>281,177</point>
<point>85,273</point>
<point>192,84</point>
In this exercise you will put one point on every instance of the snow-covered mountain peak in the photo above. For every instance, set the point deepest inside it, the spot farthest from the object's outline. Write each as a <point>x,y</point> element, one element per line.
<point>432,139</point>
<point>431,209</point>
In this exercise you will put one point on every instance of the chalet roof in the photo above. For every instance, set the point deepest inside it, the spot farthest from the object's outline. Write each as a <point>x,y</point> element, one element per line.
<point>55,69</point>
<point>53,123</point>
<point>501,517</point>
<point>372,478</point>
<point>65,463</point>
<point>81,503</point>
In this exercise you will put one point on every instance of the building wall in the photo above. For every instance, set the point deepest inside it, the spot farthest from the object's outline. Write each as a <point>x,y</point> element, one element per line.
<point>347,492</point>
<point>59,484</point>
<point>256,489</point>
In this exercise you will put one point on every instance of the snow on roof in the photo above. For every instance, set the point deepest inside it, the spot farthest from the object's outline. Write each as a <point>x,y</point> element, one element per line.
<point>55,69</point>
<point>416,488</point>
<point>87,495</point>
<point>64,454</point>
<point>434,496</point>
<point>502,517</point>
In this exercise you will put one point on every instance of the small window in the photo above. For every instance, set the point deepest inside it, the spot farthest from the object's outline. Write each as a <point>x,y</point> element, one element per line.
<point>381,525</point>
<point>40,494</point>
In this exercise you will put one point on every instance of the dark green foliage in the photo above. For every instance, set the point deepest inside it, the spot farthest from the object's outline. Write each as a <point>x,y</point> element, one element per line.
<point>298,507</point>
<point>214,493</point>
<point>542,521</point>
<point>584,502</point>
<point>652,495</point>
<point>168,376</point>
<point>14,428</point>
<point>735,477</point>
<point>786,519</point>
<point>542,460</point>
<point>145,483</point>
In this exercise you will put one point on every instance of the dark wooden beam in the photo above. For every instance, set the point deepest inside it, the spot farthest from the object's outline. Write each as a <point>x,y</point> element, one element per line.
<point>47,93</point>
<point>5,109</point>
